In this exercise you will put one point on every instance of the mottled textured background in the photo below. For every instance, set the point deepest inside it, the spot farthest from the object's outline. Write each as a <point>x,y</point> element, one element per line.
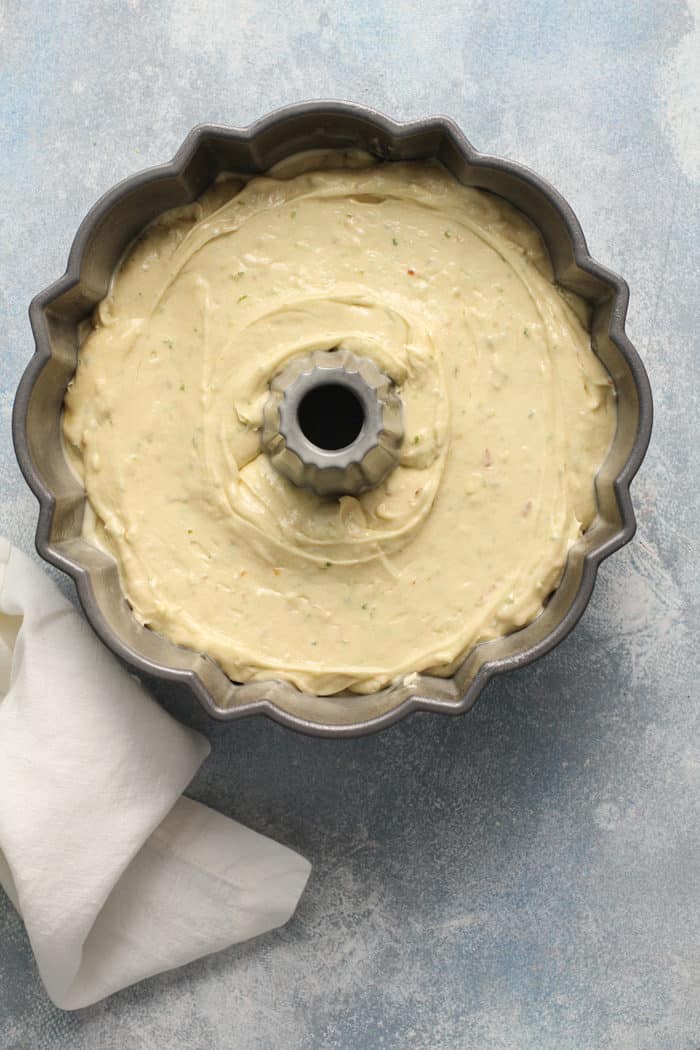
<point>525,877</point>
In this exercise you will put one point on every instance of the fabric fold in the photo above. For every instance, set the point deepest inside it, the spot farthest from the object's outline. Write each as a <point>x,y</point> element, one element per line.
<point>116,875</point>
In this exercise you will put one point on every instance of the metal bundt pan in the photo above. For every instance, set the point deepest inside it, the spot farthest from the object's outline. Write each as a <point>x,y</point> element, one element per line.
<point>99,244</point>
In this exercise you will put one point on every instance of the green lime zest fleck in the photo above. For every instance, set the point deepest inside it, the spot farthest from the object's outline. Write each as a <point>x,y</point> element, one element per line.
<point>237,276</point>
<point>447,234</point>
<point>182,386</point>
<point>416,440</point>
<point>526,332</point>
<point>395,241</point>
<point>241,298</point>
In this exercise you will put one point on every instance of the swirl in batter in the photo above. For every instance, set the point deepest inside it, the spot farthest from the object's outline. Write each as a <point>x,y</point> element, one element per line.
<point>508,414</point>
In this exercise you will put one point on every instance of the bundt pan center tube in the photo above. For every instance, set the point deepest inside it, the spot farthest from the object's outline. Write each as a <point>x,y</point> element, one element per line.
<point>357,452</point>
<point>333,423</point>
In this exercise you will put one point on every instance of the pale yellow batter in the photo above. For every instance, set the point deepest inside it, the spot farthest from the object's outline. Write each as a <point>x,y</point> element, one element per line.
<point>508,415</point>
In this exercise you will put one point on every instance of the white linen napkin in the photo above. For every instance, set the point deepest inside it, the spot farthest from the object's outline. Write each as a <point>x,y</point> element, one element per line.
<point>116,875</point>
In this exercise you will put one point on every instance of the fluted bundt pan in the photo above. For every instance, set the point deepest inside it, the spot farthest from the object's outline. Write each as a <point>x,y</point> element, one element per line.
<point>56,316</point>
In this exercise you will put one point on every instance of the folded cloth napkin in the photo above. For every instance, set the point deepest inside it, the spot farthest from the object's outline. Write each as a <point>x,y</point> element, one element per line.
<point>116,875</point>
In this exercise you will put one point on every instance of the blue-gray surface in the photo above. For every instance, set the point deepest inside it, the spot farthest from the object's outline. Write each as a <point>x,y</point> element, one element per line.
<point>525,876</point>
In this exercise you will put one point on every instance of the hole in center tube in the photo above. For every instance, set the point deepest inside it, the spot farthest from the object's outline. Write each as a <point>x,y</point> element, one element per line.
<point>330,416</point>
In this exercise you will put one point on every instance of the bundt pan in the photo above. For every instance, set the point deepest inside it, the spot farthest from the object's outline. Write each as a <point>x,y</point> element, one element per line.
<point>56,315</point>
